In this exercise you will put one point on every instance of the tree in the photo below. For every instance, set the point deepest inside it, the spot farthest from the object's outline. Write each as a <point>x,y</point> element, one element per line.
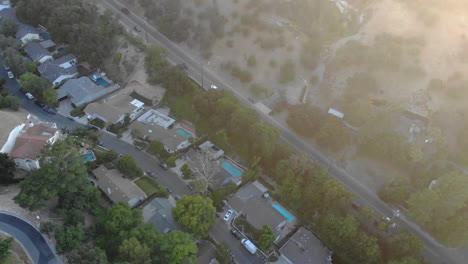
<point>267,237</point>
<point>61,171</point>
<point>128,167</point>
<point>178,248</point>
<point>360,85</point>
<point>87,254</point>
<point>8,42</point>
<point>171,161</point>
<point>37,85</point>
<point>204,169</point>
<point>8,27</point>
<point>403,244</point>
<point>50,97</point>
<point>262,138</point>
<point>7,169</point>
<point>333,134</point>
<point>69,238</point>
<point>15,61</point>
<point>157,148</point>
<point>195,213</point>
<point>155,63</point>
<point>396,190</point>
<point>305,119</point>
<point>133,251</point>
<point>290,191</point>
<point>8,100</point>
<point>223,254</point>
<point>287,72</point>
<point>186,172</point>
<point>47,227</point>
<point>5,245</point>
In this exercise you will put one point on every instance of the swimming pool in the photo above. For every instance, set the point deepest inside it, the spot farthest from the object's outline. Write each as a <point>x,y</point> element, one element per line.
<point>183,133</point>
<point>235,172</point>
<point>88,157</point>
<point>102,82</point>
<point>280,209</point>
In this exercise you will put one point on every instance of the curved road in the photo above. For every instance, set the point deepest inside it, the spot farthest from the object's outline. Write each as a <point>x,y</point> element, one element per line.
<point>433,251</point>
<point>32,240</point>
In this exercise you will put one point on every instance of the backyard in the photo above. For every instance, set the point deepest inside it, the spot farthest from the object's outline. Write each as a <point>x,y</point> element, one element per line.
<point>150,186</point>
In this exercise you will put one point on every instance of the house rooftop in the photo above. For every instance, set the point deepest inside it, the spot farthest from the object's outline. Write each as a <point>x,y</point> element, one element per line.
<point>159,213</point>
<point>82,91</point>
<point>305,248</point>
<point>113,108</point>
<point>31,141</point>
<point>116,186</point>
<point>47,44</point>
<point>155,116</point>
<point>152,131</point>
<point>9,13</point>
<point>24,29</point>
<point>36,51</point>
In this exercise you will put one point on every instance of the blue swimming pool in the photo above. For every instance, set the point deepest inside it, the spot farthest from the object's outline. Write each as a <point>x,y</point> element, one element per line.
<point>102,82</point>
<point>280,209</point>
<point>183,133</point>
<point>235,172</point>
<point>88,157</point>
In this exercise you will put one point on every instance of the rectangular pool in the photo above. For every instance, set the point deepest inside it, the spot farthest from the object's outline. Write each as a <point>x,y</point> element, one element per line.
<point>183,133</point>
<point>280,209</point>
<point>88,157</point>
<point>235,172</point>
<point>102,82</point>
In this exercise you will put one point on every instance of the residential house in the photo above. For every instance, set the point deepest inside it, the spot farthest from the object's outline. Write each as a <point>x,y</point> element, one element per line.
<point>59,70</point>
<point>211,148</point>
<point>304,248</point>
<point>171,140</point>
<point>9,13</point>
<point>159,213</point>
<point>118,188</point>
<point>144,93</point>
<point>253,203</point>
<point>37,53</point>
<point>48,45</point>
<point>29,140</point>
<point>82,91</point>
<point>114,109</point>
<point>26,33</point>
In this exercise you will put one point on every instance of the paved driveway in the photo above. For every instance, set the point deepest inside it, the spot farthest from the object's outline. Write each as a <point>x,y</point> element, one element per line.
<point>32,240</point>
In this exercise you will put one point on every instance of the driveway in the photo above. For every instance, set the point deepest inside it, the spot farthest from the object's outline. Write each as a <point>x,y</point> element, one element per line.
<point>30,238</point>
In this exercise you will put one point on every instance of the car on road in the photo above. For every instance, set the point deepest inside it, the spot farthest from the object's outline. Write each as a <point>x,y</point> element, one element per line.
<point>39,103</point>
<point>23,91</point>
<point>121,155</point>
<point>139,147</point>
<point>152,174</point>
<point>101,143</point>
<point>177,197</point>
<point>164,165</point>
<point>190,187</point>
<point>6,67</point>
<point>236,234</point>
<point>29,96</point>
<point>137,28</point>
<point>125,11</point>
<point>214,86</point>
<point>49,110</point>
<point>10,75</point>
<point>228,214</point>
<point>169,190</point>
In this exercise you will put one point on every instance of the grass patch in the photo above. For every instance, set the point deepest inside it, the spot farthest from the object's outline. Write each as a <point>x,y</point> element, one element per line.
<point>151,186</point>
<point>181,106</point>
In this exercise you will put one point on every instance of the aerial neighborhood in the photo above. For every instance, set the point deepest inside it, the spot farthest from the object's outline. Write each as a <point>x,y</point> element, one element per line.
<point>174,132</point>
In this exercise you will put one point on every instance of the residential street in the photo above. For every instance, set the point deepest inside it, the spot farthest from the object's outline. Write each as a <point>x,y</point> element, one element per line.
<point>30,238</point>
<point>434,252</point>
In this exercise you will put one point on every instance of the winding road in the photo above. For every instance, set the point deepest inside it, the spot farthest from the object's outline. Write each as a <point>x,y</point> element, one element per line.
<point>38,248</point>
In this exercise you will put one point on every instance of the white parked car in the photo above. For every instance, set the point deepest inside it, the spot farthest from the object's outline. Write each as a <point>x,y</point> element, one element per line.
<point>228,214</point>
<point>29,96</point>
<point>214,86</point>
<point>10,75</point>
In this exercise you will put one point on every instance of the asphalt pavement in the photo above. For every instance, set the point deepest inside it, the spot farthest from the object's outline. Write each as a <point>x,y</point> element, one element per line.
<point>39,250</point>
<point>433,251</point>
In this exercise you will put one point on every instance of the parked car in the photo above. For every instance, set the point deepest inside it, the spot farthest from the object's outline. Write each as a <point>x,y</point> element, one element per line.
<point>214,86</point>
<point>228,214</point>
<point>236,234</point>
<point>139,147</point>
<point>39,103</point>
<point>152,174</point>
<point>164,165</point>
<point>23,91</point>
<point>101,143</point>
<point>121,155</point>
<point>169,190</point>
<point>49,110</point>
<point>177,197</point>
<point>10,75</point>
<point>125,11</point>
<point>6,67</point>
<point>137,28</point>
<point>190,187</point>
<point>29,96</point>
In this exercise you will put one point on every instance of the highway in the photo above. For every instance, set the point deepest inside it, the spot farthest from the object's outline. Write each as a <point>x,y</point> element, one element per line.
<point>433,251</point>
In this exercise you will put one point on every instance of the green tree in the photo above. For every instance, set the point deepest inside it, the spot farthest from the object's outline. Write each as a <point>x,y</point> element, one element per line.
<point>69,238</point>
<point>305,119</point>
<point>61,171</point>
<point>396,190</point>
<point>333,134</point>
<point>157,148</point>
<point>87,254</point>
<point>37,85</point>
<point>5,245</point>
<point>15,61</point>
<point>8,27</point>
<point>50,97</point>
<point>223,254</point>
<point>267,237</point>
<point>8,42</point>
<point>287,72</point>
<point>7,169</point>
<point>133,251</point>
<point>155,63</point>
<point>403,244</point>
<point>360,85</point>
<point>405,260</point>
<point>262,139</point>
<point>186,172</point>
<point>128,167</point>
<point>171,161</point>
<point>195,213</point>
<point>290,191</point>
<point>178,248</point>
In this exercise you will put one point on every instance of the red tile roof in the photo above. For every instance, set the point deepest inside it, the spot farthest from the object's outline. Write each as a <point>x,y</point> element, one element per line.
<point>31,142</point>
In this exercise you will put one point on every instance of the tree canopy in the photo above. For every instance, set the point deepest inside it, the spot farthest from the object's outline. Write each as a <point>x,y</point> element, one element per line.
<point>7,169</point>
<point>195,213</point>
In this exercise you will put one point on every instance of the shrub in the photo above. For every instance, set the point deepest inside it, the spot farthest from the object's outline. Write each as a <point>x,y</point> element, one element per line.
<point>171,161</point>
<point>117,57</point>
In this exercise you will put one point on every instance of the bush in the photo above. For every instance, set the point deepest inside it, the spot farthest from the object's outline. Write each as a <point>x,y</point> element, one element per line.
<point>171,161</point>
<point>78,111</point>
<point>117,57</point>
<point>186,172</point>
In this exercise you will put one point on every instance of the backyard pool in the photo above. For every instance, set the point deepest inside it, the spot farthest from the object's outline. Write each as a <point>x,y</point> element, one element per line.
<point>88,157</point>
<point>102,82</point>
<point>183,133</point>
<point>235,172</point>
<point>280,209</point>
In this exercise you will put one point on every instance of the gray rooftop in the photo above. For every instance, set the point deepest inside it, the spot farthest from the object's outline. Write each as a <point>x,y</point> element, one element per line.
<point>36,52</point>
<point>52,70</point>
<point>305,248</point>
<point>154,132</point>
<point>66,58</point>
<point>9,13</point>
<point>159,213</point>
<point>47,44</point>
<point>24,29</point>
<point>82,91</point>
